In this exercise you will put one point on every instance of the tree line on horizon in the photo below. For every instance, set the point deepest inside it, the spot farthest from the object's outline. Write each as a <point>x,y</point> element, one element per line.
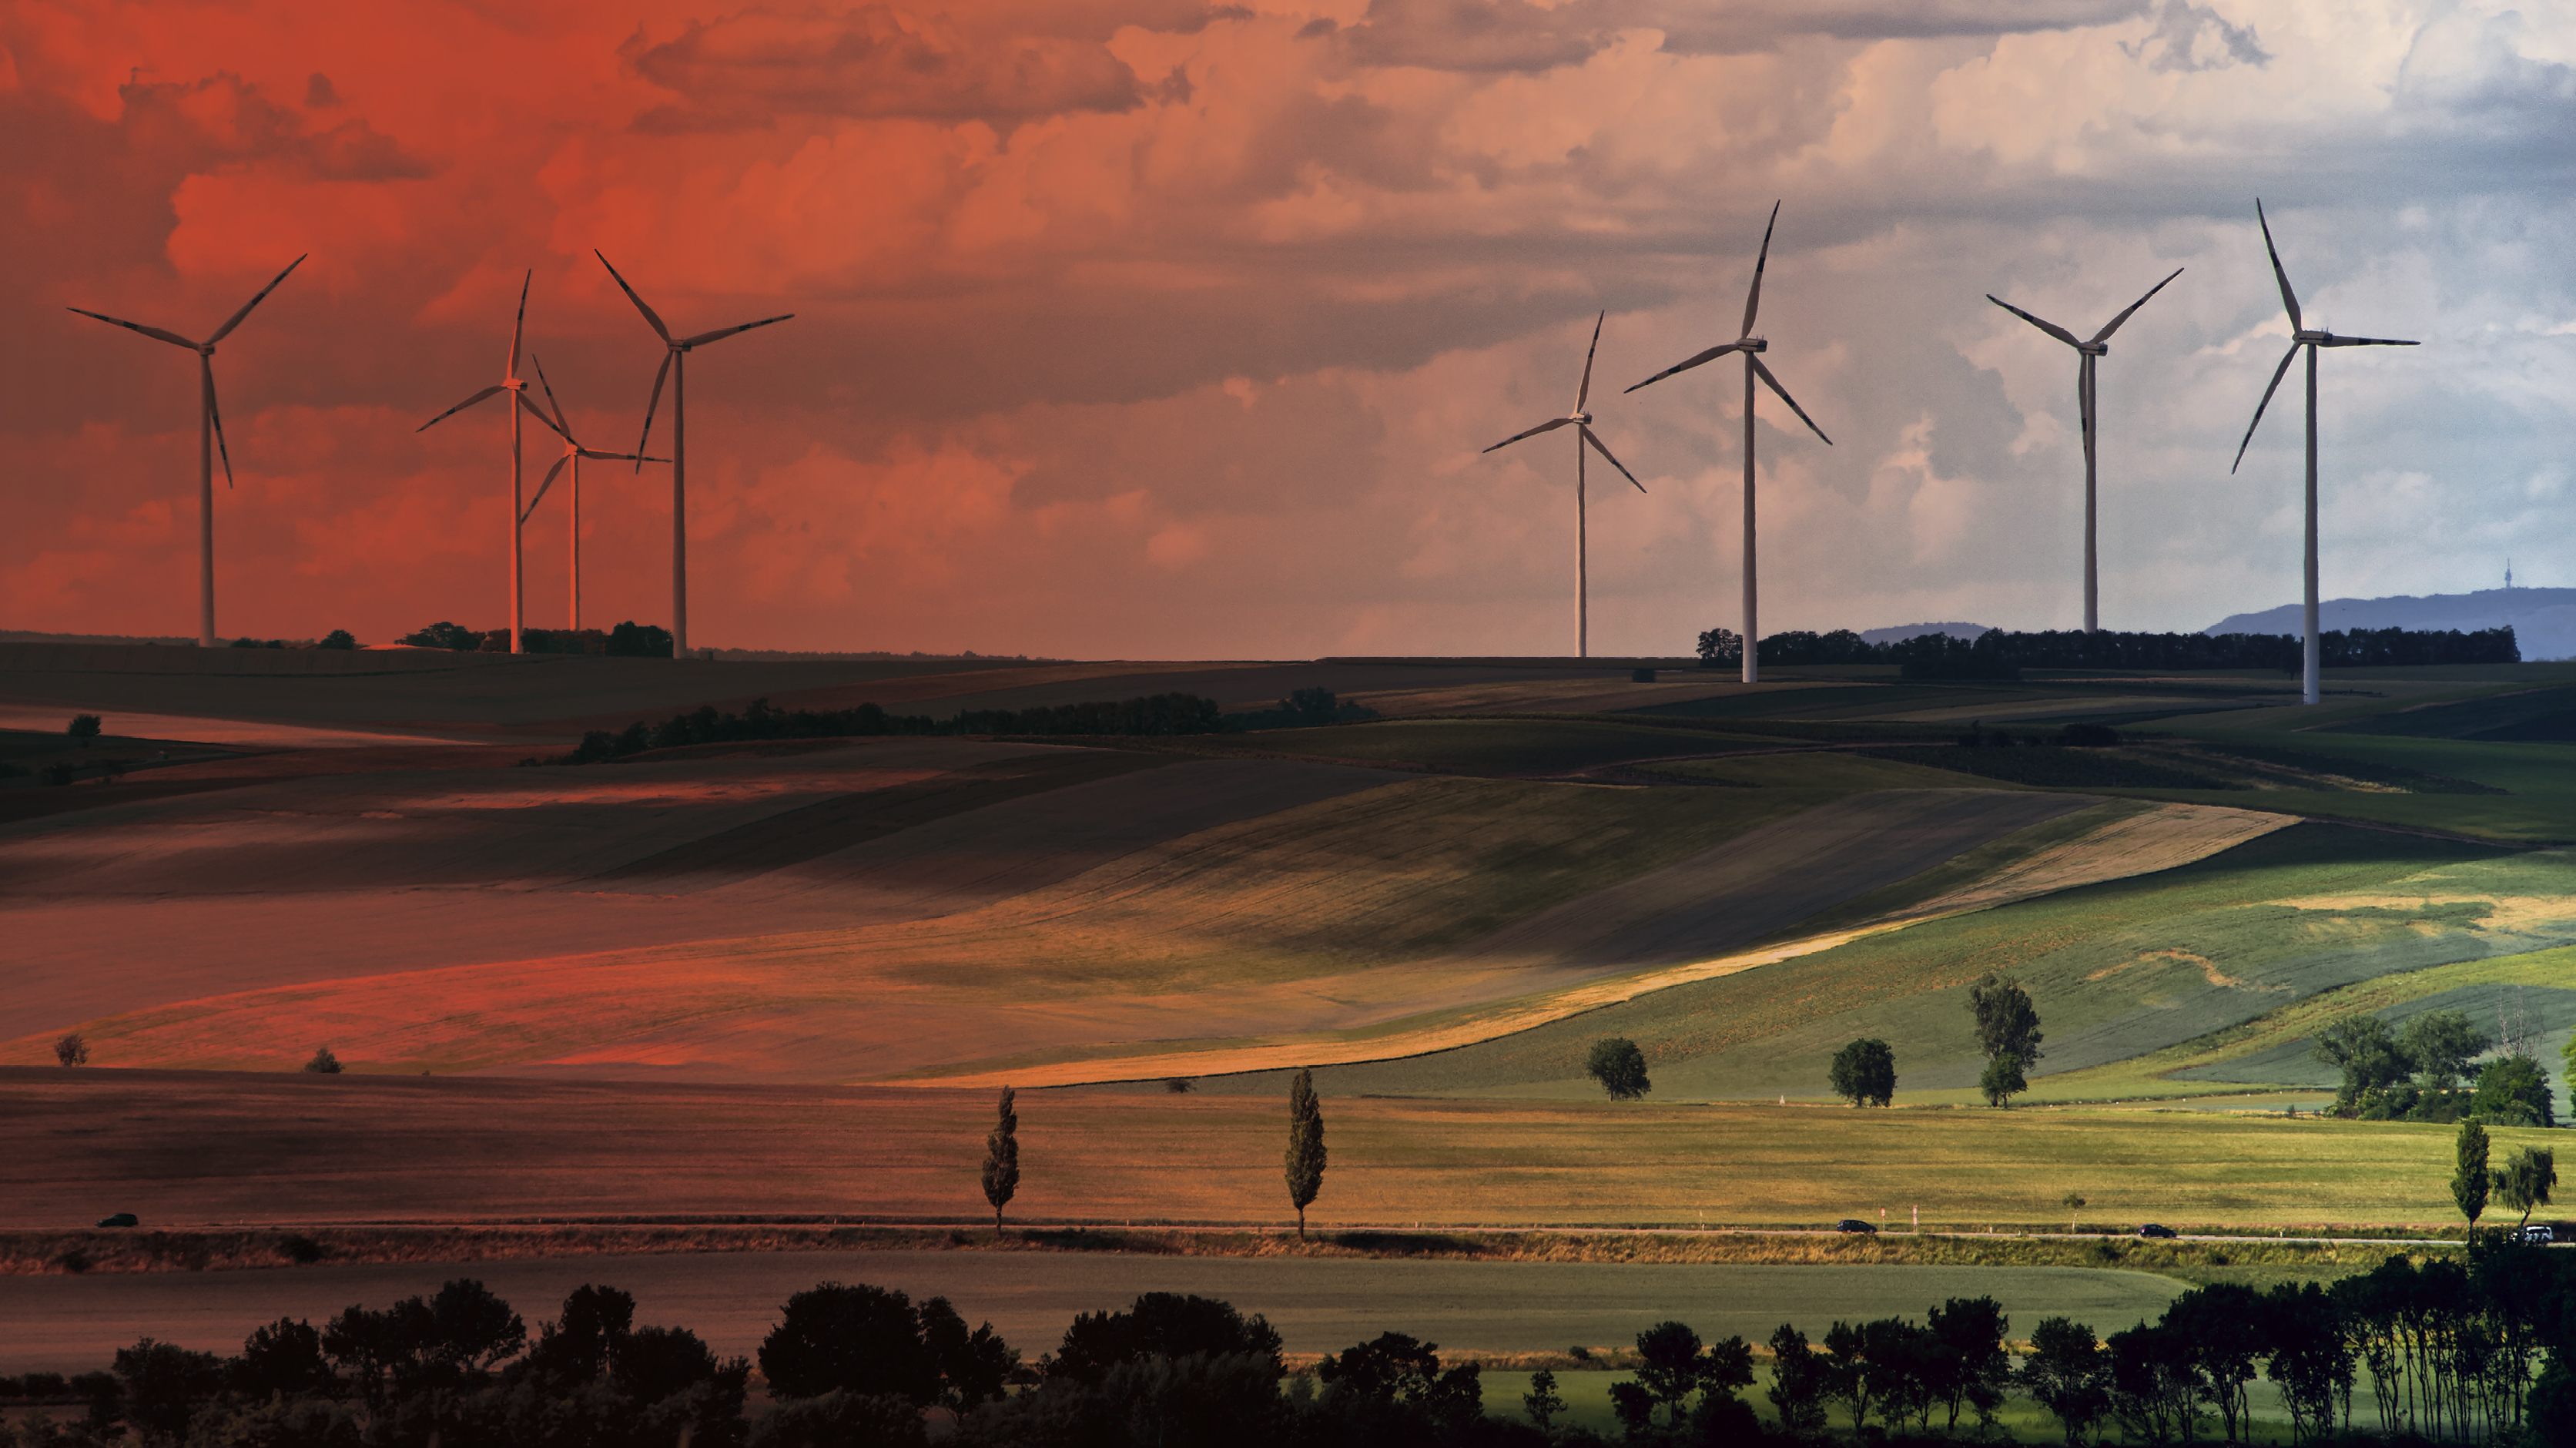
<point>2474,1347</point>
<point>1145,716</point>
<point>1999,654</point>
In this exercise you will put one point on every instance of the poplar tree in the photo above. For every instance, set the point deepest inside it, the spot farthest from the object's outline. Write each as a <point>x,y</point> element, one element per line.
<point>1002,1160</point>
<point>1305,1145</point>
<point>2469,1185</point>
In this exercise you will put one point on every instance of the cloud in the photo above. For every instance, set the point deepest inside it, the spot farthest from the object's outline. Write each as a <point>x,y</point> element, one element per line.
<point>2191,37</point>
<point>871,61</point>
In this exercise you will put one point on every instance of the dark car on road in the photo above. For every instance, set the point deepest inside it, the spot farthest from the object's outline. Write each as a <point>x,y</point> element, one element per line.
<point>1853,1224</point>
<point>2153,1229</point>
<point>121,1219</point>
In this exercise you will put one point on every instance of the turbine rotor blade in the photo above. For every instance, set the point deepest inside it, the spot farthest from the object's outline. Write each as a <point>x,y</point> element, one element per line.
<point>2277,374</point>
<point>1599,447</point>
<point>519,328</point>
<point>1774,384</point>
<point>1711,355</point>
<point>2051,328</point>
<point>1753,297</point>
<point>651,407</point>
<point>2289,298</point>
<point>1551,425</point>
<point>2366,342</point>
<point>1583,394</point>
<point>460,407</point>
<point>541,487</point>
<point>227,328</point>
<point>562,424</point>
<point>539,414</point>
<point>703,338</point>
<point>2114,324</point>
<point>173,338</point>
<point>215,413</point>
<point>658,329</point>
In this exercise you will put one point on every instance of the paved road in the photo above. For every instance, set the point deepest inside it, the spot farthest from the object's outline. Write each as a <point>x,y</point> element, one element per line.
<point>74,1324</point>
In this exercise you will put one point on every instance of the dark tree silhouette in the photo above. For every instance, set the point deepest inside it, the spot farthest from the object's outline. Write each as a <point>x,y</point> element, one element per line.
<point>1305,1146</point>
<point>2006,1020</point>
<point>1002,1160</point>
<point>2470,1183</point>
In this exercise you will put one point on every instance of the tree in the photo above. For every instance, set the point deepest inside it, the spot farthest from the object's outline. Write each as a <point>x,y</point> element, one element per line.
<point>283,1357</point>
<point>1620,1067</point>
<point>854,1338</point>
<point>338,638</point>
<point>1002,1160</point>
<point>2362,1047</point>
<point>2311,1356</point>
<point>2514,1091</point>
<point>1161,1325</point>
<point>973,1367</point>
<point>1864,1073</point>
<point>71,1050</point>
<point>2526,1180</point>
<point>1800,1380</point>
<point>163,1383</point>
<point>1542,1402</point>
<point>2469,1184</point>
<point>2439,1044</point>
<point>2007,1023</point>
<point>1305,1146</point>
<point>2066,1374</point>
<point>2223,1322</point>
<point>445,635</point>
<point>2002,1080</point>
<point>84,727</point>
<point>639,641</point>
<point>2073,1202</point>
<point>1721,648</point>
<point>1668,1366</point>
<point>1972,1370</point>
<point>323,1062</point>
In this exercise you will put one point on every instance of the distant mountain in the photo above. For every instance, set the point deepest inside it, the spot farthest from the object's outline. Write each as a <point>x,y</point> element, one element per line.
<point>1902,632</point>
<point>2543,619</point>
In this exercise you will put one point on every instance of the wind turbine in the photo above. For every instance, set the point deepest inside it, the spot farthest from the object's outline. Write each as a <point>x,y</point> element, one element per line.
<point>1581,422</point>
<point>1751,346</point>
<point>573,453</point>
<point>2301,336</point>
<point>2084,405</point>
<point>210,440</point>
<point>675,367</point>
<point>515,385</point>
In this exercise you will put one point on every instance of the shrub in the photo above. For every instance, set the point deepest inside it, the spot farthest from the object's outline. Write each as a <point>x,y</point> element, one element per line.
<point>71,1050</point>
<point>84,727</point>
<point>323,1062</point>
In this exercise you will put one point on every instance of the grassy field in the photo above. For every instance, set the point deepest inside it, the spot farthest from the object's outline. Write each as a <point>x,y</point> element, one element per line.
<point>186,1149</point>
<point>2118,970</point>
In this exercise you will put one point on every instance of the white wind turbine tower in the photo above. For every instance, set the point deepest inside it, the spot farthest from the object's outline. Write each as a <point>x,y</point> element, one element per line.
<point>2301,336</point>
<point>1751,346</point>
<point>573,453</point>
<point>2088,352</point>
<point>515,385</point>
<point>1581,422</point>
<point>210,441</point>
<point>675,367</point>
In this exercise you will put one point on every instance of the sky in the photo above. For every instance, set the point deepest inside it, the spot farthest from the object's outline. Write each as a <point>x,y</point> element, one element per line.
<point>1156,329</point>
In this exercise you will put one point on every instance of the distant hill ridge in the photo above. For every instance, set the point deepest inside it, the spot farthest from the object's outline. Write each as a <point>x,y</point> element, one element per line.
<point>2543,619</point>
<point>1902,632</point>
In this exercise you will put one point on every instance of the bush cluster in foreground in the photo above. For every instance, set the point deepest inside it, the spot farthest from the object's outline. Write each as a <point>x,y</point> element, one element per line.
<point>2473,1347</point>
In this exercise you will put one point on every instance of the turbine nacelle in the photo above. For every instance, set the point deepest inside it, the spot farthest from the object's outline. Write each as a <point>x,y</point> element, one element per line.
<point>1752,344</point>
<point>2094,349</point>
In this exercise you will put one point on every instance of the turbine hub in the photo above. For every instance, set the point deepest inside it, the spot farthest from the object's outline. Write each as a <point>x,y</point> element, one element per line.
<point>2094,349</point>
<point>1754,344</point>
<point>1583,418</point>
<point>2312,336</point>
